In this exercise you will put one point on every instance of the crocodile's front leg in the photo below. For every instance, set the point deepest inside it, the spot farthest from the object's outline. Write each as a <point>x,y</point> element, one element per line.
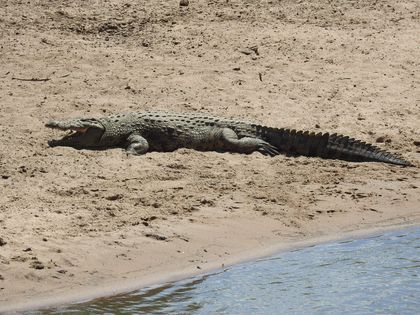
<point>231,141</point>
<point>137,145</point>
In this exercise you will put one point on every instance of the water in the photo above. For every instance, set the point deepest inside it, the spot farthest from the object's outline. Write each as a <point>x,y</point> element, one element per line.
<point>376,275</point>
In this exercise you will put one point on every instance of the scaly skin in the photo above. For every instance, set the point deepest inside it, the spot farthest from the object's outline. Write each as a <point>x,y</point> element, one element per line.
<point>141,132</point>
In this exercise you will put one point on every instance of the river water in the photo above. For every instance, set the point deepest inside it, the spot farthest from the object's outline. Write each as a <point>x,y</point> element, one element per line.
<point>375,275</point>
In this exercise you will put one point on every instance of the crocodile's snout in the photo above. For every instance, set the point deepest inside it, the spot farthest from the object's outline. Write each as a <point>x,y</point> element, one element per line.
<point>51,124</point>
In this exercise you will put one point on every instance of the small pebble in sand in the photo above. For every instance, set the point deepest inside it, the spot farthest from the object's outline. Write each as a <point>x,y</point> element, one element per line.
<point>2,242</point>
<point>249,50</point>
<point>383,139</point>
<point>156,236</point>
<point>184,3</point>
<point>36,264</point>
<point>114,197</point>
<point>246,51</point>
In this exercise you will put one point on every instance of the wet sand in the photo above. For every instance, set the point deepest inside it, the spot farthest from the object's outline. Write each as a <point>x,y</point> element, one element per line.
<point>85,223</point>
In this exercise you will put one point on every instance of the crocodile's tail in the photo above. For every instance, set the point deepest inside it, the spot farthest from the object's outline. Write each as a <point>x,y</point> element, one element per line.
<point>330,146</point>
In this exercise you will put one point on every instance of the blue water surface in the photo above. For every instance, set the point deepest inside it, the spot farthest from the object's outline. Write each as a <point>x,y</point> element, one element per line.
<point>375,275</point>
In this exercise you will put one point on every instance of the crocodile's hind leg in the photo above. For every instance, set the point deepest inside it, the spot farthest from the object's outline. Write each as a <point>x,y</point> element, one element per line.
<point>231,142</point>
<point>137,144</point>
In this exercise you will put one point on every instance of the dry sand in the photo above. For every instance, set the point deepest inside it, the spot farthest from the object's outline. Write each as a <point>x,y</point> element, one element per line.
<point>85,223</point>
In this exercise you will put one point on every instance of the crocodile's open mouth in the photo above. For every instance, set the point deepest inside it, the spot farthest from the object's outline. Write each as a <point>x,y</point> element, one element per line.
<point>81,133</point>
<point>73,137</point>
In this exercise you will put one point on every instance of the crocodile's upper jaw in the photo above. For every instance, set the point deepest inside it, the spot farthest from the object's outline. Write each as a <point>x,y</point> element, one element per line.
<point>84,133</point>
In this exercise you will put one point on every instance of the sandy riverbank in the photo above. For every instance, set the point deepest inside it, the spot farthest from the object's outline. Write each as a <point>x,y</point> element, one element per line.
<point>72,222</point>
<point>237,240</point>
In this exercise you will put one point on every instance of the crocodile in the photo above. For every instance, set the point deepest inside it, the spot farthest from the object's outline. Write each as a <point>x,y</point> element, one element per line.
<point>141,132</point>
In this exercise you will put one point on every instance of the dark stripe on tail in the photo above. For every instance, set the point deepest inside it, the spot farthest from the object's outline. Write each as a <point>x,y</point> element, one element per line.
<point>329,146</point>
